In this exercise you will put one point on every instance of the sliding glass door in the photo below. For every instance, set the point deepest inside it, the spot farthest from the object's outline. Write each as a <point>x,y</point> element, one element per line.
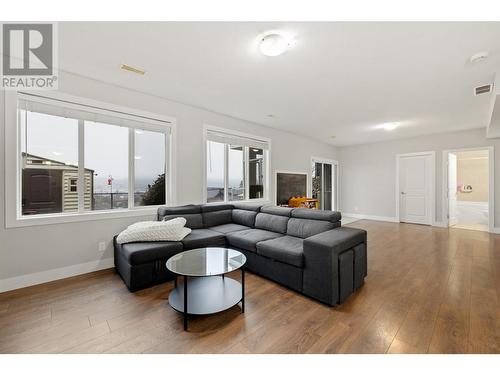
<point>324,183</point>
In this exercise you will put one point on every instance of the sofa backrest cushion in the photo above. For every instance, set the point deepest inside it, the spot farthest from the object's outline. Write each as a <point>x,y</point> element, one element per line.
<point>190,212</point>
<point>248,206</point>
<point>244,217</point>
<point>216,214</point>
<point>193,221</point>
<point>216,207</point>
<point>275,210</point>
<point>306,213</point>
<point>179,210</point>
<point>211,219</point>
<point>273,223</point>
<point>304,228</point>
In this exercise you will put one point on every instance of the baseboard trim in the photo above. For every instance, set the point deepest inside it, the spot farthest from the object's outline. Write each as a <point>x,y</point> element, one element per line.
<point>371,217</point>
<point>54,274</point>
<point>440,224</point>
<point>495,230</point>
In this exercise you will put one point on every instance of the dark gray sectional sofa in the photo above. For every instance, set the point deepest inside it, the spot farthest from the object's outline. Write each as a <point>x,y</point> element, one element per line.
<point>305,250</point>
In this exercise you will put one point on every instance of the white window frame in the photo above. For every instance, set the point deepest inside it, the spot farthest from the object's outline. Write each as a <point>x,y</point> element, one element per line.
<point>151,121</point>
<point>267,165</point>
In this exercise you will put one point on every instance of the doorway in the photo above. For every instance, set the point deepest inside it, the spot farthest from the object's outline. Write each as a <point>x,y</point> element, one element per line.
<point>324,183</point>
<point>469,186</point>
<point>415,187</point>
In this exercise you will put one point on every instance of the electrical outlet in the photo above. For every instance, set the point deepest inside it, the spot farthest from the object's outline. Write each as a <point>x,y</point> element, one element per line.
<point>102,246</point>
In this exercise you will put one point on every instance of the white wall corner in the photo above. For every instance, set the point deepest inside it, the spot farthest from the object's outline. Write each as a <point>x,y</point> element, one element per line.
<point>54,274</point>
<point>495,230</point>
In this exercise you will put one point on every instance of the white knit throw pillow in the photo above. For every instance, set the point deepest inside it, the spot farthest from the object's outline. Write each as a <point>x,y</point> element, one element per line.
<point>146,231</point>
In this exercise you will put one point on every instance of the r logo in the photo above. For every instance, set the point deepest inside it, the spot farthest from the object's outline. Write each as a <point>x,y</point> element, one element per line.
<point>28,49</point>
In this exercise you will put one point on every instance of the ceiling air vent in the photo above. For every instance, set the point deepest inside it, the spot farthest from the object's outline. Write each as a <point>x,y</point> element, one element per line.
<point>482,89</point>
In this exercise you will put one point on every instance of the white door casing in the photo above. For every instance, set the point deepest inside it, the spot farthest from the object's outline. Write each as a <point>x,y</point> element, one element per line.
<point>415,188</point>
<point>452,188</point>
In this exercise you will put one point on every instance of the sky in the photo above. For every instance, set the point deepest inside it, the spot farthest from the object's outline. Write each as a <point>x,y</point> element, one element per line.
<point>106,149</point>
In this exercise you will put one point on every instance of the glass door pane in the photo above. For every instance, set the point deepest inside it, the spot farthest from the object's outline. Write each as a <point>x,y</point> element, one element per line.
<point>317,183</point>
<point>327,186</point>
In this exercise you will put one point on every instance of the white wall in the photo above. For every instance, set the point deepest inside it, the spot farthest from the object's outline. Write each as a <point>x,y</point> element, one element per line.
<point>368,172</point>
<point>31,250</point>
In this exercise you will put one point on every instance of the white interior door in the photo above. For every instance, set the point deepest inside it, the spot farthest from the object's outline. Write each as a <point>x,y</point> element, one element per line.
<point>415,189</point>
<point>452,188</point>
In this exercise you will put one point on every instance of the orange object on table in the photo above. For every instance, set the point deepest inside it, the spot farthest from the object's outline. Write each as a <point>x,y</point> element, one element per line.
<point>303,202</point>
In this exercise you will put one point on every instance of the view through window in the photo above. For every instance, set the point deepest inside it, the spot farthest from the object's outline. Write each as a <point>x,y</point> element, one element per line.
<point>235,168</point>
<point>50,163</point>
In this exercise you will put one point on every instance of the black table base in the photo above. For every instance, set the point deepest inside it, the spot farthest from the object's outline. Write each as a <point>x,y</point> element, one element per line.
<point>207,295</point>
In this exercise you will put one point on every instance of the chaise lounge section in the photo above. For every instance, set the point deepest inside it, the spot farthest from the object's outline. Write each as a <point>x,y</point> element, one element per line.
<point>305,250</point>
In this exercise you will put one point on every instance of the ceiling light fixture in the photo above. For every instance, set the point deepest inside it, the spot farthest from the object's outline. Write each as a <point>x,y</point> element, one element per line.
<point>133,70</point>
<point>273,44</point>
<point>388,126</point>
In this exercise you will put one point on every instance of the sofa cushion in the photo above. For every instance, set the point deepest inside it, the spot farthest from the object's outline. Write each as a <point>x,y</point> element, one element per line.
<point>179,210</point>
<point>146,252</point>
<point>273,223</point>
<point>213,218</point>
<point>275,210</point>
<point>244,217</point>
<point>286,249</point>
<point>255,207</point>
<point>210,207</point>
<point>228,228</point>
<point>193,221</point>
<point>248,239</point>
<point>203,238</point>
<point>304,228</point>
<point>306,213</point>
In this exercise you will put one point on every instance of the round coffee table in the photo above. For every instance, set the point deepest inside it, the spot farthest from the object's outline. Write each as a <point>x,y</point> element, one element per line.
<point>205,290</point>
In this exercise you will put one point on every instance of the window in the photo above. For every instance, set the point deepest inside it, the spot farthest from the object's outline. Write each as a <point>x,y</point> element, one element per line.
<point>236,167</point>
<point>72,185</point>
<point>236,174</point>
<point>49,159</point>
<point>215,171</point>
<point>149,168</point>
<point>256,173</point>
<point>77,159</point>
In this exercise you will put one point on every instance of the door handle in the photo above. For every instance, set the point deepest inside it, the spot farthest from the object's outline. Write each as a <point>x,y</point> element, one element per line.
<point>403,193</point>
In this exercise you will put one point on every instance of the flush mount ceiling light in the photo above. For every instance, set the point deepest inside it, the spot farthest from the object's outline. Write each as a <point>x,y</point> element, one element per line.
<point>273,44</point>
<point>388,126</point>
<point>131,69</point>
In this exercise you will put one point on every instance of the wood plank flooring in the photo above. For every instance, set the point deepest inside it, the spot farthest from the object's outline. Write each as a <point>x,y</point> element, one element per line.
<point>429,290</point>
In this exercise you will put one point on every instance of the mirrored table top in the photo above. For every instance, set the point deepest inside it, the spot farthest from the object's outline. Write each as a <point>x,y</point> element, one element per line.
<point>207,261</point>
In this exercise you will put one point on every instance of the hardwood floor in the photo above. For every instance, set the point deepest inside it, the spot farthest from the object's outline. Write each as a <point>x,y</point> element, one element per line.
<point>428,290</point>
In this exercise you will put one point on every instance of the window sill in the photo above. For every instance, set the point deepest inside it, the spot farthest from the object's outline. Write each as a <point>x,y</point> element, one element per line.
<point>47,219</point>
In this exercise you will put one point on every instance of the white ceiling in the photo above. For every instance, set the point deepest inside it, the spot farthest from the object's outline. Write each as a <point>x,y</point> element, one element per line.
<point>339,79</point>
